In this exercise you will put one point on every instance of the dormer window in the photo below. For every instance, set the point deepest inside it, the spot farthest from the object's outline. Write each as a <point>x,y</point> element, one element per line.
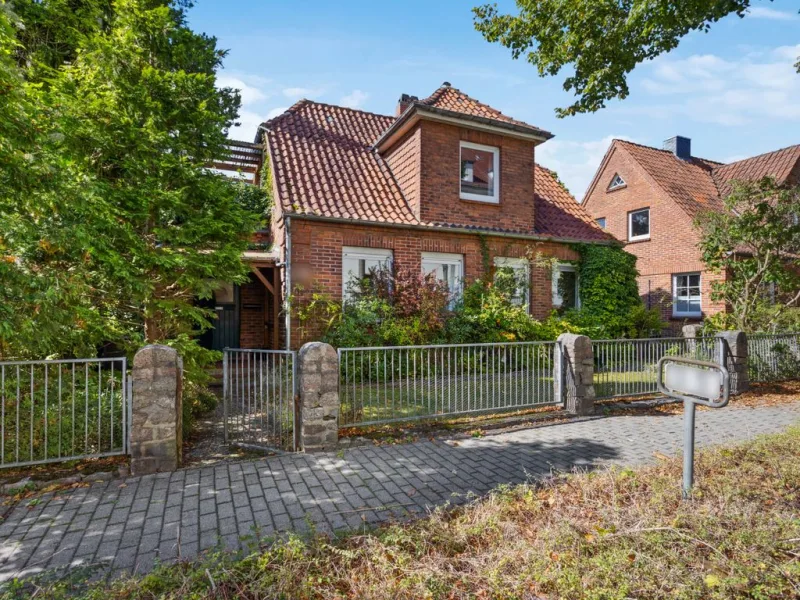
<point>480,172</point>
<point>616,182</point>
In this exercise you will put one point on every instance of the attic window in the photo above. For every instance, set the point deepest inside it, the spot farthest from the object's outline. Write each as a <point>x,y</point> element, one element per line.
<point>480,169</point>
<point>617,182</point>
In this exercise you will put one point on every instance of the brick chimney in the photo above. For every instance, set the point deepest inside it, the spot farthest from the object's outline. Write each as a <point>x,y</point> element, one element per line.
<point>404,102</point>
<point>680,146</point>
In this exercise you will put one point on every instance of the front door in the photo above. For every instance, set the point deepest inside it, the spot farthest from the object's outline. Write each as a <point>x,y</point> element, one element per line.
<point>224,331</point>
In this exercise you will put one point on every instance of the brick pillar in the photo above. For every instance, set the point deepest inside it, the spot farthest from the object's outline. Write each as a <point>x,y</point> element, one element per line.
<point>576,373</point>
<point>156,437</point>
<point>735,359</point>
<point>318,388</point>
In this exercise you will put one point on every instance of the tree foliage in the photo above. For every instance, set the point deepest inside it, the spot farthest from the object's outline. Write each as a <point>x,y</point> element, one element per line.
<point>756,243</point>
<point>601,41</point>
<point>112,225</point>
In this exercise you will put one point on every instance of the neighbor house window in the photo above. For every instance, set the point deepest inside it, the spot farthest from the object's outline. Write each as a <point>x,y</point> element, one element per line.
<point>480,172</point>
<point>447,268</point>
<point>602,222</point>
<point>639,225</point>
<point>518,269</point>
<point>686,295</point>
<point>565,287</point>
<point>616,182</point>
<point>357,264</point>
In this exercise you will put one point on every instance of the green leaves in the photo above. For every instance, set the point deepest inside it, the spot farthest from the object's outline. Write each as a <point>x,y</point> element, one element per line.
<point>601,41</point>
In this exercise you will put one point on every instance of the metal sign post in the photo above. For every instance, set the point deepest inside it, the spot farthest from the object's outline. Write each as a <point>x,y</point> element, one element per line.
<point>695,382</point>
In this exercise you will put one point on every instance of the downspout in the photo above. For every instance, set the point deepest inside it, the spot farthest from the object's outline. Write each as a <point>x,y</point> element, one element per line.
<point>288,270</point>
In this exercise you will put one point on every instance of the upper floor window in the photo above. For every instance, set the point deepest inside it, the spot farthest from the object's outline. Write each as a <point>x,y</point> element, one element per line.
<point>686,295</point>
<point>639,225</point>
<point>566,293</point>
<point>480,172</point>
<point>616,182</point>
<point>602,222</point>
<point>513,272</point>
<point>447,268</point>
<point>357,264</point>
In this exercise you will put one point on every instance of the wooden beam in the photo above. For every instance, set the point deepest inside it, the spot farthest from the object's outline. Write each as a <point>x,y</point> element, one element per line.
<point>262,279</point>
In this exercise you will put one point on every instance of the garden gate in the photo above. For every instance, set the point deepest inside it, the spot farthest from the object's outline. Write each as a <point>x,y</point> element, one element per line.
<point>259,398</point>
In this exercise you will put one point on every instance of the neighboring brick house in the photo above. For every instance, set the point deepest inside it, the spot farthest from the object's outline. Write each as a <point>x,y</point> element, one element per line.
<point>426,189</point>
<point>649,197</point>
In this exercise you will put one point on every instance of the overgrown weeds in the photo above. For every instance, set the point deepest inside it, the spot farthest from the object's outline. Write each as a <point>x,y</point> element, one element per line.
<point>612,534</point>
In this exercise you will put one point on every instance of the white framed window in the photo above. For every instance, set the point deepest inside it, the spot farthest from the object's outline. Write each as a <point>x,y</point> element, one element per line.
<point>601,221</point>
<point>447,268</point>
<point>480,172</point>
<point>566,288</point>
<point>616,182</point>
<point>357,263</point>
<point>686,300</point>
<point>639,225</point>
<point>520,269</point>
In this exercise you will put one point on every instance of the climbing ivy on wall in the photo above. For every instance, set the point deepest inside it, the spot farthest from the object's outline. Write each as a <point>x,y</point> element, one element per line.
<point>609,293</point>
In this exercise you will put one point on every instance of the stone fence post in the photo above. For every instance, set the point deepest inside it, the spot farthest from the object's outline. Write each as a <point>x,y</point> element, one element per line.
<point>733,355</point>
<point>318,389</point>
<point>156,436</point>
<point>575,372</point>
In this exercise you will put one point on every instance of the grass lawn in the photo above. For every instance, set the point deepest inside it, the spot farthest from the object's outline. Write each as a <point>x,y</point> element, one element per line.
<point>620,533</point>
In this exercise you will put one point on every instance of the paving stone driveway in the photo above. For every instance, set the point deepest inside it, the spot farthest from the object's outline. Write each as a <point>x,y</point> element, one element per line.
<point>127,526</point>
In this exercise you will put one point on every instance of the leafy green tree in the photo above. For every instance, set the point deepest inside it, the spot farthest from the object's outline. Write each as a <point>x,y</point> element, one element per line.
<point>131,227</point>
<point>756,243</point>
<point>601,40</point>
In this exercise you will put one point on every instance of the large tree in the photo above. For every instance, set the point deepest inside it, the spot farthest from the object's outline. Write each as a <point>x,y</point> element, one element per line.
<point>756,243</point>
<point>601,40</point>
<point>129,227</point>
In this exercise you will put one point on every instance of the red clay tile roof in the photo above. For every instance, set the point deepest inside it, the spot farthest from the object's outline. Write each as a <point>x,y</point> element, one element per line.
<point>557,213</point>
<point>778,164</point>
<point>453,99</point>
<point>688,182</point>
<point>324,164</point>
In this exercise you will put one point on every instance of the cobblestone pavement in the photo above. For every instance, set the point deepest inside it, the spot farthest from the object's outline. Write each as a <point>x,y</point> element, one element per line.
<point>127,526</point>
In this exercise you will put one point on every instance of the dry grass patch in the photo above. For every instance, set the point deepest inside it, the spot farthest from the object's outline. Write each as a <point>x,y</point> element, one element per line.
<point>614,534</point>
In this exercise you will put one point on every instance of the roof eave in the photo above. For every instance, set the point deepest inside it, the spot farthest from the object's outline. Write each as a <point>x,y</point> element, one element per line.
<point>416,112</point>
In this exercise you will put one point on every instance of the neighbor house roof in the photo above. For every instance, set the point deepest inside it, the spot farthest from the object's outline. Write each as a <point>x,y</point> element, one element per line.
<point>698,184</point>
<point>324,164</point>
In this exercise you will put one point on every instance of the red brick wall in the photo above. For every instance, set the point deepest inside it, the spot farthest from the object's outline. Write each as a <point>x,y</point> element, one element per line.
<point>672,247</point>
<point>251,315</point>
<point>317,260</point>
<point>404,161</point>
<point>440,183</point>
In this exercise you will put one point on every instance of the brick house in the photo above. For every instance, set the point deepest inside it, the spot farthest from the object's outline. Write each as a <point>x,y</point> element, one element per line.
<point>648,198</point>
<point>427,189</point>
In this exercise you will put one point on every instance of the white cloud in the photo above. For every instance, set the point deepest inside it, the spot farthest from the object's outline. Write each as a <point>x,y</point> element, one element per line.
<point>708,88</point>
<point>763,12</point>
<point>574,161</point>
<point>277,111</point>
<point>250,93</point>
<point>354,99</point>
<point>301,92</point>
<point>248,126</point>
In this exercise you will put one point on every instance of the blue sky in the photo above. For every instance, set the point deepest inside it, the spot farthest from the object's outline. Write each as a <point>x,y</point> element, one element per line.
<point>732,90</point>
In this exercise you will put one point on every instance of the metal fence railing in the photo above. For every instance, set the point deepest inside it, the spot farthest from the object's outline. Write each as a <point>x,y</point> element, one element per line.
<point>773,357</point>
<point>57,410</point>
<point>387,384</point>
<point>628,367</point>
<point>259,397</point>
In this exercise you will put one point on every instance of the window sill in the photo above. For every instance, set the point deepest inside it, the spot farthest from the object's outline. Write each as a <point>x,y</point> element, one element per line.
<point>638,239</point>
<point>617,188</point>
<point>481,199</point>
<point>687,315</point>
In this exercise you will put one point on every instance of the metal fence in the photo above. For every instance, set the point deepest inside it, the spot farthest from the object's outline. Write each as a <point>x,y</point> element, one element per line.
<point>57,410</point>
<point>388,384</point>
<point>259,397</point>
<point>773,357</point>
<point>628,367</point>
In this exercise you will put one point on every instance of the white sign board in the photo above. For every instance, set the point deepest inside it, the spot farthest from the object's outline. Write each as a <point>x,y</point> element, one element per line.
<point>701,383</point>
